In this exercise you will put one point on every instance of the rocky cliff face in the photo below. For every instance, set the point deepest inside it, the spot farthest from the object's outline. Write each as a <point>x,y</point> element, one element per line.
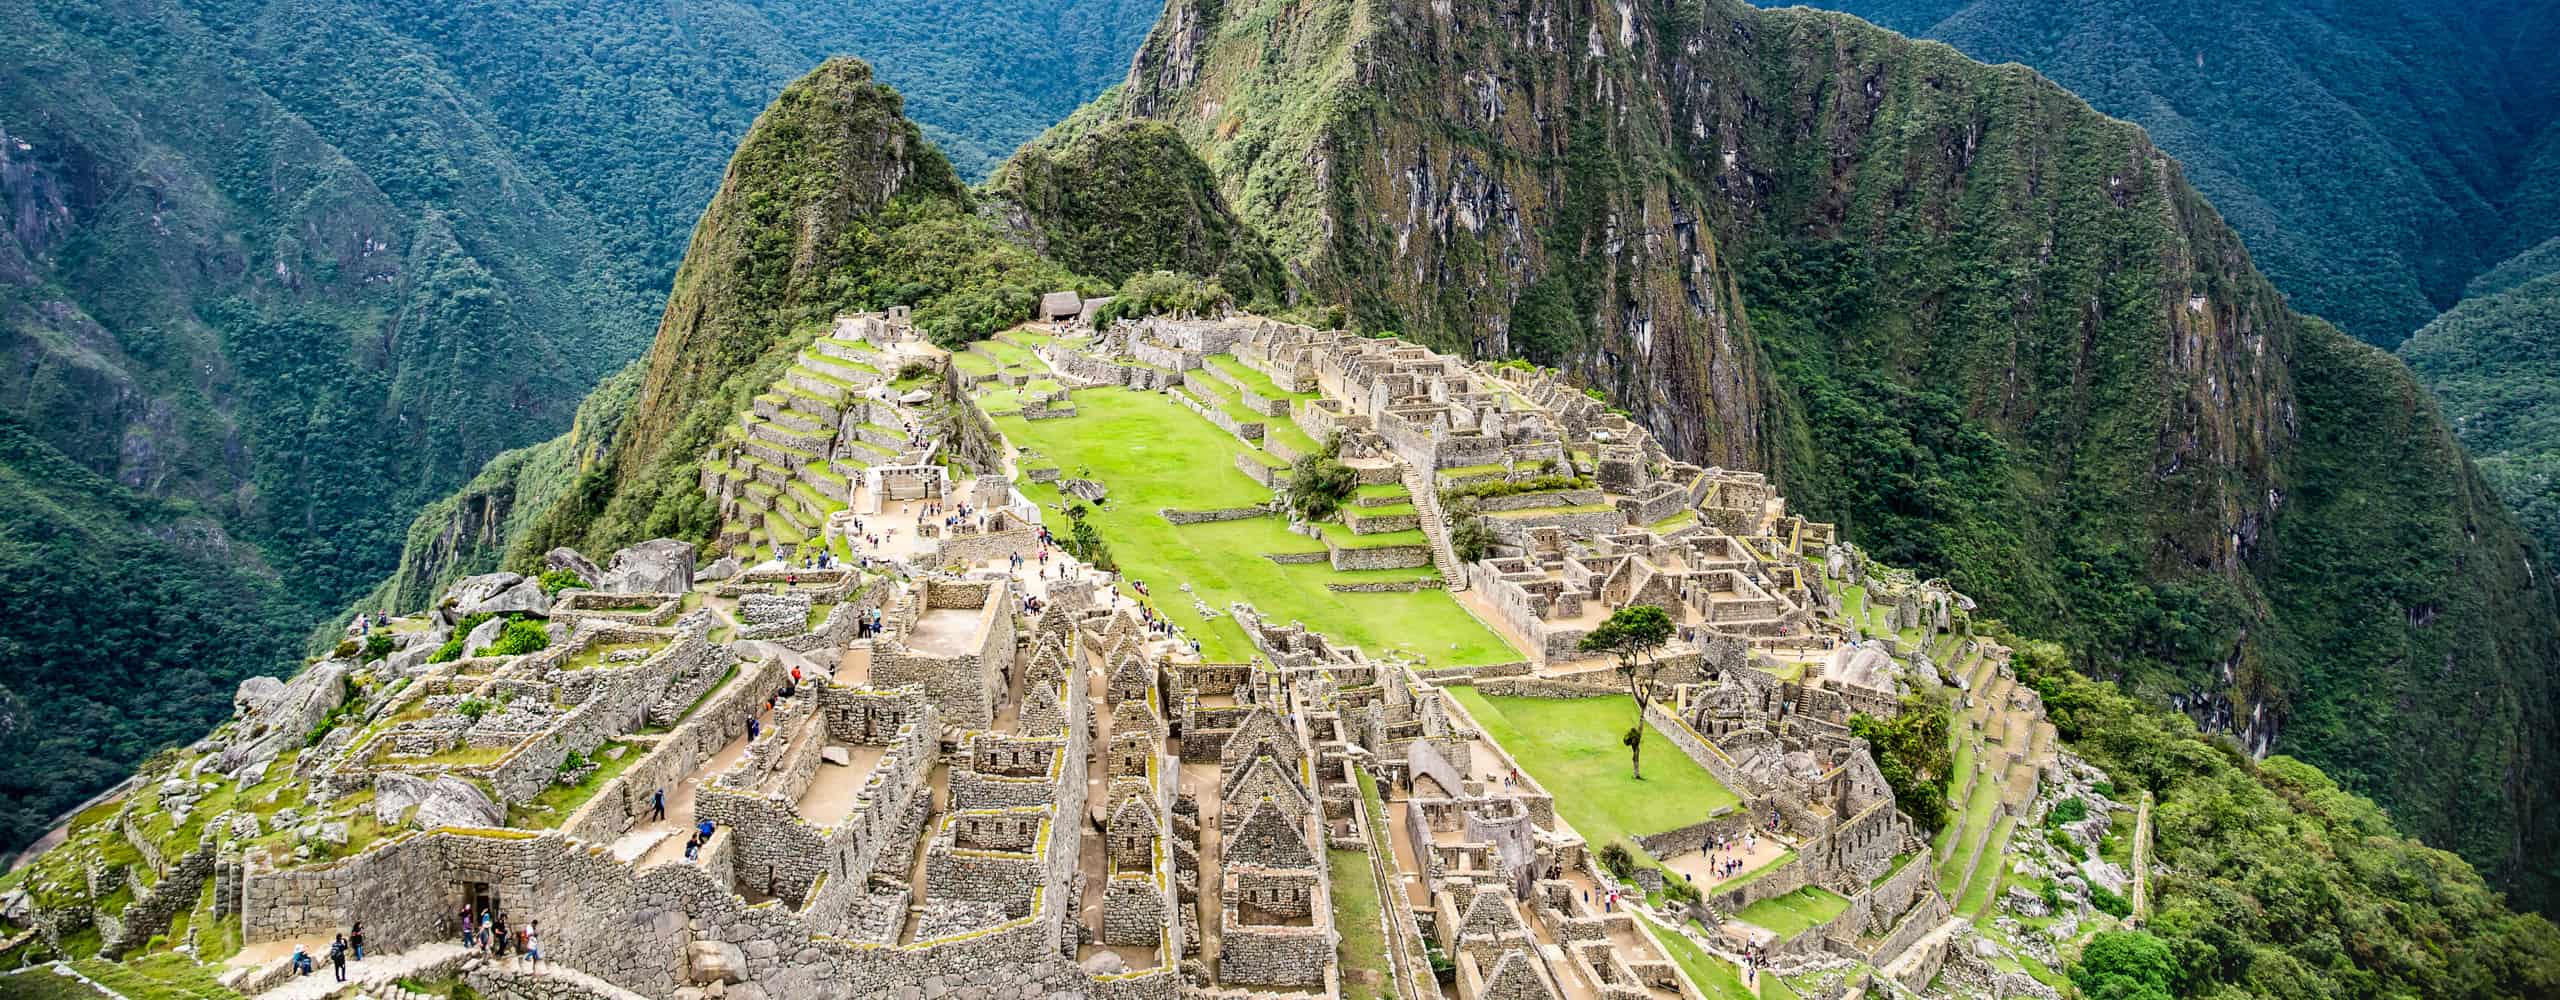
<point>1992,332</point>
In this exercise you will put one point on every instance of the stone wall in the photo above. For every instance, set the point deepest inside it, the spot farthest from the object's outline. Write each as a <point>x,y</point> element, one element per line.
<point>1698,747</point>
<point>1179,517</point>
<point>1379,557</point>
<point>1787,876</point>
<point>1725,821</point>
<point>621,803</point>
<point>152,910</point>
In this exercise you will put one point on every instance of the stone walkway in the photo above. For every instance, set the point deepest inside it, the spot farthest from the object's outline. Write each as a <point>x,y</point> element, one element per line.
<point>374,972</point>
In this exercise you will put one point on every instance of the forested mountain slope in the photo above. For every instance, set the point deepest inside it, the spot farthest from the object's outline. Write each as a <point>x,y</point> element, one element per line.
<point>2494,363</point>
<point>276,273</point>
<point>2375,154</point>
<point>1993,333</point>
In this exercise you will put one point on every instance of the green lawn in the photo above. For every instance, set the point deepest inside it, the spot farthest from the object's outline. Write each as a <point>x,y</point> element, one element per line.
<point>1261,384</point>
<point>1714,977</point>
<point>1357,918</point>
<point>1571,746</point>
<point>1009,355</point>
<point>1154,454</point>
<point>1795,912</point>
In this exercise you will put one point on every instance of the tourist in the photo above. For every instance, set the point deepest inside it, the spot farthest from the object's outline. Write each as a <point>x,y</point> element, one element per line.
<point>355,939</point>
<point>338,957</point>
<point>466,925</point>
<point>658,805</point>
<point>301,961</point>
<point>692,847</point>
<point>533,945</point>
<point>704,828</point>
<point>498,937</point>
<point>754,728</point>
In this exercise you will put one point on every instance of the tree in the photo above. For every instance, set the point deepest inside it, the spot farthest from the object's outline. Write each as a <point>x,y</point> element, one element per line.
<point>1468,534</point>
<point>2125,965</point>
<point>1633,634</point>
<point>1912,752</point>
<point>1320,483</point>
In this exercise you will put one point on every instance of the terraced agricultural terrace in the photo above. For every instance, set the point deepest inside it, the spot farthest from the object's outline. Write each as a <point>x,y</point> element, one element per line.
<point>1212,658</point>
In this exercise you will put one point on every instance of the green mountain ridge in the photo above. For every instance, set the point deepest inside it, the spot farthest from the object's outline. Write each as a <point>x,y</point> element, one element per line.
<point>2376,154</point>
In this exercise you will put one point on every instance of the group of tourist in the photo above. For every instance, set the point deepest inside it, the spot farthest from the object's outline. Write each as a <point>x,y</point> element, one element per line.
<point>823,559</point>
<point>350,942</point>
<point>1725,868</point>
<point>485,929</point>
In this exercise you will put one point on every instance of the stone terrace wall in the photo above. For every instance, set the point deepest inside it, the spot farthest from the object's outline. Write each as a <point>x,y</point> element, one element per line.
<point>1788,876</point>
<point>1698,747</point>
<point>632,929</point>
<point>1728,822</point>
<point>1873,911</point>
<point>622,801</point>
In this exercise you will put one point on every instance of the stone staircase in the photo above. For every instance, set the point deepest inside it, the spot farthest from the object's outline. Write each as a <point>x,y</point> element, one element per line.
<point>1435,527</point>
<point>377,976</point>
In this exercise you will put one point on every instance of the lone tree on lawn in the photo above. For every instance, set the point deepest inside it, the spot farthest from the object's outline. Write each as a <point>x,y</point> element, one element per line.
<point>1632,634</point>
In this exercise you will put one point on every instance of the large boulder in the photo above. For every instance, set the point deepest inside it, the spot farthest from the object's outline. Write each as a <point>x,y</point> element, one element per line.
<point>275,715</point>
<point>482,635</point>
<point>657,566</point>
<point>526,597</point>
<point>451,801</point>
<point>471,590</point>
<point>720,569</point>
<point>572,560</point>
<point>255,693</point>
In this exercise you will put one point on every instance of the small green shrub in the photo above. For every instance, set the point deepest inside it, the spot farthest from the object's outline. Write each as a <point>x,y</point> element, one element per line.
<point>1320,482</point>
<point>472,708</point>
<point>1617,859</point>
<point>377,645</point>
<point>2070,810</point>
<point>2108,902</point>
<point>347,649</point>
<point>523,635</point>
<point>555,581</point>
<point>1488,488</point>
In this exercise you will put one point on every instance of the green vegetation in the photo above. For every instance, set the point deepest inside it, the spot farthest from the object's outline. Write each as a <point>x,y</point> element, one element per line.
<point>2280,883</point>
<point>1357,915</point>
<point>1795,912</point>
<point>2493,367</point>
<point>1161,293</point>
<point>1153,454</point>
<point>2435,141</point>
<point>1129,198</point>
<point>554,805</point>
<point>1956,358</point>
<point>1916,752</point>
<point>1319,483</point>
<point>1571,746</point>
